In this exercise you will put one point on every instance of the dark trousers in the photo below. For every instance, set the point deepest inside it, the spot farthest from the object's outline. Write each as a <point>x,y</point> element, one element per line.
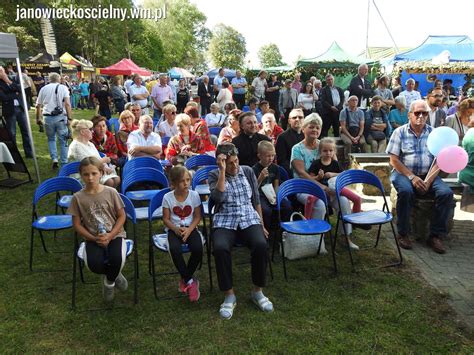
<point>270,214</point>
<point>119,105</point>
<point>284,119</point>
<point>239,100</point>
<point>105,111</point>
<point>406,195</point>
<point>108,262</point>
<point>330,119</point>
<point>195,246</point>
<point>205,108</point>
<point>20,117</point>
<point>274,106</point>
<point>223,241</point>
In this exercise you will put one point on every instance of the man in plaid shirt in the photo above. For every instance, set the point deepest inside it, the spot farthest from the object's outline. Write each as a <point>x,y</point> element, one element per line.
<point>411,160</point>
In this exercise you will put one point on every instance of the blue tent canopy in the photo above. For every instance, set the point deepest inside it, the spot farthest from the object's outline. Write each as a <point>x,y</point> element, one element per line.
<point>461,49</point>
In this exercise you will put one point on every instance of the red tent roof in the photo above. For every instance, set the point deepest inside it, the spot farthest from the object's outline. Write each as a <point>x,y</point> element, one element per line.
<point>124,67</point>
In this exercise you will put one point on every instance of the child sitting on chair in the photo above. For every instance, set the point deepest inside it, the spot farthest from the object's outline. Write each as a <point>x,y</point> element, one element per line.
<point>181,216</point>
<point>98,216</point>
<point>268,179</point>
<point>325,169</point>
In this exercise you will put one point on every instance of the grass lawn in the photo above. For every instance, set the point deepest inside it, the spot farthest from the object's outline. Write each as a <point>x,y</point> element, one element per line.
<point>377,310</point>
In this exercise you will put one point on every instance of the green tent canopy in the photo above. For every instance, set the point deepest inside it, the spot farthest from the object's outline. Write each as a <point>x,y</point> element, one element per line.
<point>335,56</point>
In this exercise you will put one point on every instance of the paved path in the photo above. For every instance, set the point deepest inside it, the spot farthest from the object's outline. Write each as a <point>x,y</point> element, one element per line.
<point>453,272</point>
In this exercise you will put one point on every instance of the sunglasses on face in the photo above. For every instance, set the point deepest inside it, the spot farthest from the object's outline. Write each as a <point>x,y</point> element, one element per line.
<point>422,113</point>
<point>297,117</point>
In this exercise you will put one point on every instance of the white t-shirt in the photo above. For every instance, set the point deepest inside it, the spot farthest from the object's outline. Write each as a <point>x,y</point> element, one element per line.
<point>165,128</point>
<point>215,120</point>
<point>136,139</point>
<point>47,97</point>
<point>259,85</point>
<point>181,213</point>
<point>135,90</point>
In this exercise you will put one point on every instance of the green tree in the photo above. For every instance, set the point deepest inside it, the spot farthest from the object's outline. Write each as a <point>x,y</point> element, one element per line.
<point>183,33</point>
<point>269,56</point>
<point>227,47</point>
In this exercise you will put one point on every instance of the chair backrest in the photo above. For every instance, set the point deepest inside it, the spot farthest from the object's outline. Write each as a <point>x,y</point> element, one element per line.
<point>129,209</point>
<point>215,130</point>
<point>102,155</point>
<point>354,176</point>
<point>56,184</point>
<point>144,175</point>
<point>295,186</point>
<point>165,140</point>
<point>200,160</point>
<point>202,174</point>
<point>114,124</point>
<point>69,169</point>
<point>156,202</point>
<point>141,162</point>
<point>283,174</point>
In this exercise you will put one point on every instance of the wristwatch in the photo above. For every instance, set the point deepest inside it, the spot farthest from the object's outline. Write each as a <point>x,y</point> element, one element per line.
<point>411,177</point>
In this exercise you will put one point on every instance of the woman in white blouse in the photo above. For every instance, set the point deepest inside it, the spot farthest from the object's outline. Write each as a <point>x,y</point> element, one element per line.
<point>307,98</point>
<point>224,96</point>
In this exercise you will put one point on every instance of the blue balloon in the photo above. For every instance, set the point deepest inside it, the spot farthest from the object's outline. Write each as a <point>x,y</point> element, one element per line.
<point>441,138</point>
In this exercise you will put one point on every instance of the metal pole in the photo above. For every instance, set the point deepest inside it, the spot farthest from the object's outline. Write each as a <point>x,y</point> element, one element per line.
<point>367,54</point>
<point>386,27</point>
<point>25,105</point>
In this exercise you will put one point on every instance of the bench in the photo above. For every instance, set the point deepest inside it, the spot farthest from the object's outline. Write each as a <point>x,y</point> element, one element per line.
<point>377,163</point>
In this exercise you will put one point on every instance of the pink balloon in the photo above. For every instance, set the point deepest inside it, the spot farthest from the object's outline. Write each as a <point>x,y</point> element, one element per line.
<point>452,159</point>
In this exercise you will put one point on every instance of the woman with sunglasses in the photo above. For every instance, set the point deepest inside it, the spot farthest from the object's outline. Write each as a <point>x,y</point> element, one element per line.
<point>167,127</point>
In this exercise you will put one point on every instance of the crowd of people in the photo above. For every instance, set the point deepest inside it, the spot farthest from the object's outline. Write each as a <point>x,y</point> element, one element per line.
<point>284,127</point>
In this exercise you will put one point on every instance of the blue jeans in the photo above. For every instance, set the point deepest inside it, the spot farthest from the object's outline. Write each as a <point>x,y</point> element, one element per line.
<point>406,195</point>
<point>56,125</point>
<point>20,117</point>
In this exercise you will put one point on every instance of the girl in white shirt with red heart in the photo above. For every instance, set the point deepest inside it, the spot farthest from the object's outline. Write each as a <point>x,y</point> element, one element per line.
<point>181,216</point>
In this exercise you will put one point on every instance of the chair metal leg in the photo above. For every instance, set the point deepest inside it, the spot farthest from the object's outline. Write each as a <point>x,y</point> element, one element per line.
<point>333,251</point>
<point>74,265</point>
<point>283,255</point>
<point>153,274</point>
<point>347,242</point>
<point>81,271</point>
<point>42,241</point>
<point>396,242</point>
<point>378,236</point>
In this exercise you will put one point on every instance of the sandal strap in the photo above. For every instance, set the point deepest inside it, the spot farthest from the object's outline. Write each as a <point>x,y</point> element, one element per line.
<point>262,303</point>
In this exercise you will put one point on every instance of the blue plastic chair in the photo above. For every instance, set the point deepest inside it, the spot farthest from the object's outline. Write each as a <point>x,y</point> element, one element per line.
<point>165,140</point>
<point>372,217</point>
<point>200,176</point>
<point>113,125</point>
<point>141,162</point>
<point>140,175</point>
<point>245,108</point>
<point>199,160</point>
<point>160,241</point>
<point>131,245</point>
<point>66,170</point>
<point>215,131</point>
<point>304,227</point>
<point>43,223</point>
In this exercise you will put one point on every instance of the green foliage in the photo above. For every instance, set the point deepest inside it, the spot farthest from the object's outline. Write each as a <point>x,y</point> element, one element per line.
<point>269,56</point>
<point>227,47</point>
<point>25,41</point>
<point>183,33</point>
<point>148,49</point>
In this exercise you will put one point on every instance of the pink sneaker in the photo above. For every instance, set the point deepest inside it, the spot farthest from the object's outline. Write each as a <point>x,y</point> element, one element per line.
<point>193,291</point>
<point>183,288</point>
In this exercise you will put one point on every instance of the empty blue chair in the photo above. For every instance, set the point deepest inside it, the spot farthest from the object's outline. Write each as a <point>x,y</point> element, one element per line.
<point>131,245</point>
<point>142,175</point>
<point>141,162</point>
<point>308,227</point>
<point>113,124</point>
<point>199,160</point>
<point>160,241</point>
<point>55,222</point>
<point>66,170</point>
<point>372,217</point>
<point>215,131</point>
<point>199,177</point>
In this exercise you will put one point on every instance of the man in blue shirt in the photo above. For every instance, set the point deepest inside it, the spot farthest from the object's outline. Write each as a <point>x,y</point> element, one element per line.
<point>411,160</point>
<point>84,101</point>
<point>239,84</point>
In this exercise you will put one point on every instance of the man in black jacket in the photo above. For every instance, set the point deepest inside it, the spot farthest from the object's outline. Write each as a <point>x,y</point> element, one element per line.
<point>13,110</point>
<point>332,99</point>
<point>205,95</point>
<point>248,139</point>
<point>289,138</point>
<point>361,87</point>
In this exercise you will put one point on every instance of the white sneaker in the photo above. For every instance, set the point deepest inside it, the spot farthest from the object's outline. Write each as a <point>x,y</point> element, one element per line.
<point>107,291</point>
<point>121,282</point>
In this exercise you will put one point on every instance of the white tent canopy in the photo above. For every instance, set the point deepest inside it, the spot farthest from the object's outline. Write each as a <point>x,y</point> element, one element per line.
<point>9,50</point>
